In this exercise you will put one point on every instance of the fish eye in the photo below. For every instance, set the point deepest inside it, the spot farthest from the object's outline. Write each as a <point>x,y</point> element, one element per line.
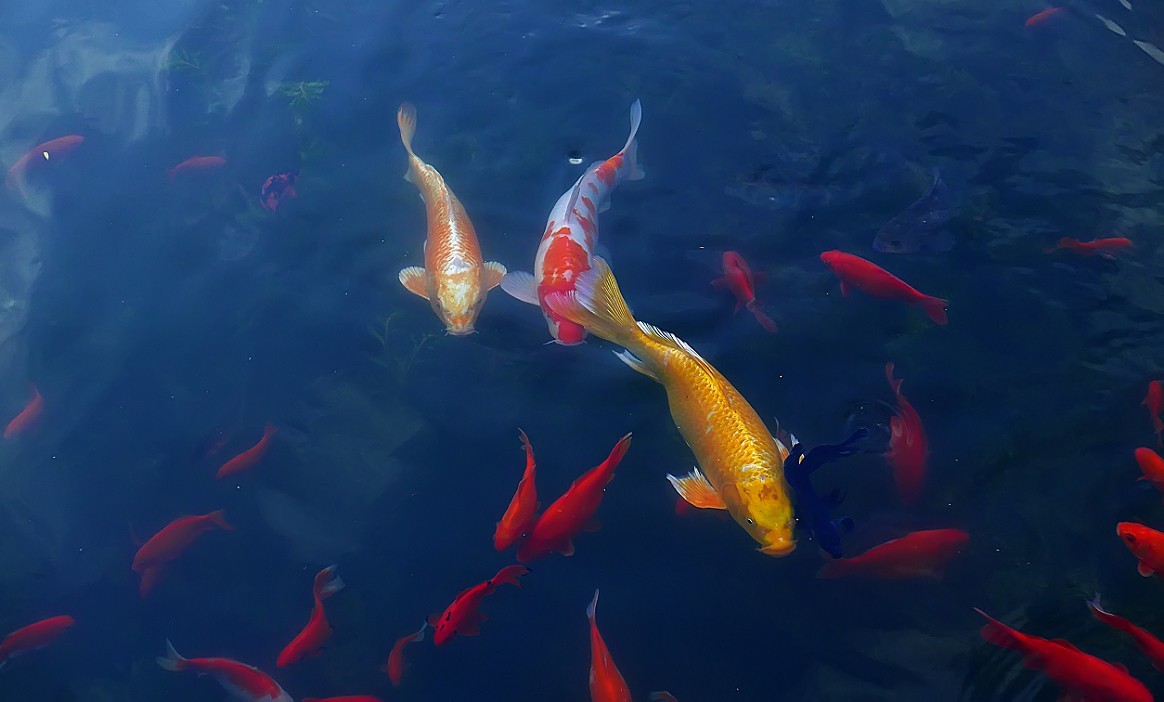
<point>1130,538</point>
<point>750,521</point>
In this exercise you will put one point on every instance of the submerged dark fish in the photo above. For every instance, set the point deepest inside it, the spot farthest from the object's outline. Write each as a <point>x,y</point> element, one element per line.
<point>276,188</point>
<point>921,226</point>
<point>812,510</point>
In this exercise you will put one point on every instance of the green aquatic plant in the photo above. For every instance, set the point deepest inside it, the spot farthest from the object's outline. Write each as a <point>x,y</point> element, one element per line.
<point>399,351</point>
<point>303,93</point>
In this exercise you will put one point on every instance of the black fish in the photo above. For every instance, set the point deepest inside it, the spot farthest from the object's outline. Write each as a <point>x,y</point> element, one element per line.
<point>921,226</point>
<point>812,510</point>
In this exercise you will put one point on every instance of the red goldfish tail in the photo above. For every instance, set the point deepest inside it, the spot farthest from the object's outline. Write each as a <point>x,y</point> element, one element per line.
<point>893,382</point>
<point>218,518</point>
<point>764,320</point>
<point>509,575</point>
<point>269,430</point>
<point>173,660</point>
<point>935,309</point>
<point>616,455</point>
<point>1000,634</point>
<point>327,583</point>
<point>592,609</point>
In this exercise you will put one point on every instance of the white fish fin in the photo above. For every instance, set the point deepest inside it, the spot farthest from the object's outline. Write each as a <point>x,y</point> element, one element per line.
<point>630,151</point>
<point>697,490</point>
<point>577,190</point>
<point>172,660</point>
<point>593,608</point>
<point>1150,49</point>
<point>409,177</point>
<point>521,286</point>
<point>1111,25</point>
<point>636,363</point>
<point>666,336</point>
<point>415,280</point>
<point>1127,5</point>
<point>328,583</point>
<point>493,274</point>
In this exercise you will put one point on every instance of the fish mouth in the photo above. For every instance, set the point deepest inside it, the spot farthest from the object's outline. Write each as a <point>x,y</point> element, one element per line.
<point>779,548</point>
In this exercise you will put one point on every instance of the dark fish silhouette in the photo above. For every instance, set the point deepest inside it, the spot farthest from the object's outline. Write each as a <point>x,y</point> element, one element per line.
<point>921,226</point>
<point>276,188</point>
<point>812,510</point>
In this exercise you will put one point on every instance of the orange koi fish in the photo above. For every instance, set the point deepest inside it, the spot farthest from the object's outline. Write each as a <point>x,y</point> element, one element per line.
<point>1152,467</point>
<point>1146,544</point>
<point>742,464</point>
<point>463,616</point>
<point>1154,401</point>
<point>1042,16</point>
<point>519,516</point>
<point>313,636</point>
<point>573,512</point>
<point>196,164</point>
<point>871,279</point>
<point>39,154</point>
<point>908,447</point>
<point>739,279</point>
<point>170,543</point>
<point>244,682</point>
<point>606,683</point>
<point>1103,247</point>
<point>1152,647</point>
<point>33,637</point>
<point>394,667</point>
<point>571,235</point>
<point>247,459</point>
<point>27,417</point>
<point>454,279</point>
<point>1082,676</point>
<point>920,554</point>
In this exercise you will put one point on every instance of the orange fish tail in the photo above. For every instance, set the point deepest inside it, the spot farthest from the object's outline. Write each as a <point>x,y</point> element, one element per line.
<point>406,120</point>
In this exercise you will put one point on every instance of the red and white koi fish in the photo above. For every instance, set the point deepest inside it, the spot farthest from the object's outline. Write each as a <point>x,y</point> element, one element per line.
<point>247,459</point>
<point>41,153</point>
<point>394,667</point>
<point>573,512</point>
<point>606,683</point>
<point>463,616</point>
<point>169,543</point>
<point>874,280</point>
<point>318,630</point>
<point>1154,401</point>
<point>739,279</point>
<point>1151,646</point>
<point>1082,677</point>
<point>33,637</point>
<point>196,164</point>
<point>520,514</point>
<point>244,682</point>
<point>28,416</point>
<point>455,279</point>
<point>567,247</point>
<point>920,554</point>
<point>908,447</point>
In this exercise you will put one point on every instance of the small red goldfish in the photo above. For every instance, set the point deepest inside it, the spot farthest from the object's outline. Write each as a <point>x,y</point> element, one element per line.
<point>395,665</point>
<point>920,554</point>
<point>606,683</point>
<point>1146,544</point>
<point>277,187</point>
<point>1152,647</point>
<point>1081,676</point>
<point>1103,247</point>
<point>349,698</point>
<point>41,153</point>
<point>519,516</point>
<point>169,543</point>
<point>1042,16</point>
<point>28,416</point>
<point>1152,466</point>
<point>908,447</point>
<point>573,512</point>
<point>1154,401</point>
<point>739,279</point>
<point>33,637</point>
<point>462,616</point>
<point>313,636</point>
<point>874,280</point>
<point>196,164</point>
<point>247,459</point>
<point>242,681</point>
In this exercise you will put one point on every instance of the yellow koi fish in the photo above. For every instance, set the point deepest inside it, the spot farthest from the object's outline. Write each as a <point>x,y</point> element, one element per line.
<point>742,464</point>
<point>454,279</point>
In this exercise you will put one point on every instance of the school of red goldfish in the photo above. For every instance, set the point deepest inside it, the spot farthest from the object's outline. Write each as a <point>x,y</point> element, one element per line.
<point>739,470</point>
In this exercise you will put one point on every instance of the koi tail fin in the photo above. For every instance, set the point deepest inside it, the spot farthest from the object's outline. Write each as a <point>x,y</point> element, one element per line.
<point>999,634</point>
<point>630,152</point>
<point>509,575</point>
<point>327,583</point>
<point>173,660</point>
<point>218,518</point>
<point>406,120</point>
<point>592,609</point>
<point>764,320</point>
<point>935,309</point>
<point>597,304</point>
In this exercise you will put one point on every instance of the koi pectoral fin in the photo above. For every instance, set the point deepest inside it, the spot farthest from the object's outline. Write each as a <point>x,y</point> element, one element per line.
<point>493,274</point>
<point>415,280</point>
<point>521,286</point>
<point>1144,570</point>
<point>697,490</point>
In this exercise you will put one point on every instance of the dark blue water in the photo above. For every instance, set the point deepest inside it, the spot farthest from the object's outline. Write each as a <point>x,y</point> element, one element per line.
<point>155,315</point>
